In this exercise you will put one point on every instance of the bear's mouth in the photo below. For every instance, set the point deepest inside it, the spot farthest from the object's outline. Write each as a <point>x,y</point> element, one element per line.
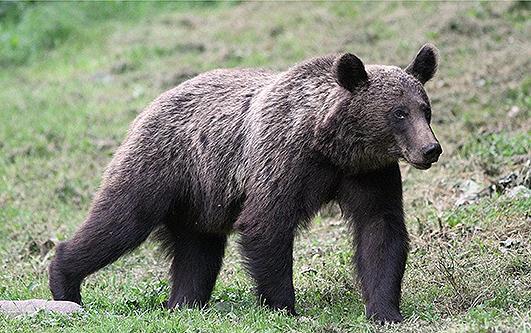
<point>416,165</point>
<point>421,166</point>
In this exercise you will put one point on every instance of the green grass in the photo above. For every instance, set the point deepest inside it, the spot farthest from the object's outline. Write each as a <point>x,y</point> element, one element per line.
<point>74,75</point>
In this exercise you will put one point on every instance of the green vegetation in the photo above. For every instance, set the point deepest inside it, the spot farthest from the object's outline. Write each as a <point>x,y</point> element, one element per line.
<point>74,75</point>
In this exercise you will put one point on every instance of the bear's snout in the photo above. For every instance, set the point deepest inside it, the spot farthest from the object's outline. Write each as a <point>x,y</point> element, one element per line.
<point>432,152</point>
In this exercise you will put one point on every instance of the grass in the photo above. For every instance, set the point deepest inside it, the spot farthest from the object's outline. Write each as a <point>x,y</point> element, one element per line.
<point>73,75</point>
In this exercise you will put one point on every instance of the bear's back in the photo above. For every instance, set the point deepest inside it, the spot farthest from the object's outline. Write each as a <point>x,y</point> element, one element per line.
<point>192,136</point>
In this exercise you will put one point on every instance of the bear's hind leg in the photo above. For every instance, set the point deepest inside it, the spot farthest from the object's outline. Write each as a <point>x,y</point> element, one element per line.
<point>117,223</point>
<point>197,259</point>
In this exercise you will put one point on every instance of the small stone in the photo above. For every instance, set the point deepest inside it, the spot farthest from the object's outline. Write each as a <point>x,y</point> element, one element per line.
<point>481,83</point>
<point>35,305</point>
<point>513,112</point>
<point>509,242</point>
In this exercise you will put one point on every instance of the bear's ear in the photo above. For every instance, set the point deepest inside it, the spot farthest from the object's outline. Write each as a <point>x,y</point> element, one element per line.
<point>424,66</point>
<point>350,71</point>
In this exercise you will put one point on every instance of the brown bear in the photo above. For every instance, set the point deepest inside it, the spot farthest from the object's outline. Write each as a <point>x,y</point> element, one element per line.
<point>259,153</point>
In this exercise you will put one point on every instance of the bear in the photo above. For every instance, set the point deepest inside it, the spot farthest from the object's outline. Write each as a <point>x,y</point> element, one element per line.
<point>258,153</point>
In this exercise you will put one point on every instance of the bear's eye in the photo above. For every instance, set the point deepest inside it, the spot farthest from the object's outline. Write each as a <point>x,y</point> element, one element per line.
<point>400,113</point>
<point>427,113</point>
<point>428,116</point>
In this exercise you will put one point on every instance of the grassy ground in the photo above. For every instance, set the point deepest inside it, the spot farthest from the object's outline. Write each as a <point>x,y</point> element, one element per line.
<point>73,76</point>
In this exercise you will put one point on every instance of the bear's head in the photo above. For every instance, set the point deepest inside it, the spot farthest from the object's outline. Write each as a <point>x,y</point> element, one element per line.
<point>382,113</point>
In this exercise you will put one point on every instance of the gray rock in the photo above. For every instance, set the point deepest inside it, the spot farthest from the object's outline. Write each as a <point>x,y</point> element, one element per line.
<point>34,305</point>
<point>519,192</point>
<point>470,192</point>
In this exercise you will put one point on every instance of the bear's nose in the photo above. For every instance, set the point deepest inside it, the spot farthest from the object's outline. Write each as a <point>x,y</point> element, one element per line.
<point>431,152</point>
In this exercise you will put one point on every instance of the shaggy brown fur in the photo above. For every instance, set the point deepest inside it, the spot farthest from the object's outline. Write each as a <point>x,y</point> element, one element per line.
<point>259,153</point>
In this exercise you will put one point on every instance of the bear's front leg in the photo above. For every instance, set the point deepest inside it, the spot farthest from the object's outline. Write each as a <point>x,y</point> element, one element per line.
<point>269,260</point>
<point>373,204</point>
<point>267,246</point>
